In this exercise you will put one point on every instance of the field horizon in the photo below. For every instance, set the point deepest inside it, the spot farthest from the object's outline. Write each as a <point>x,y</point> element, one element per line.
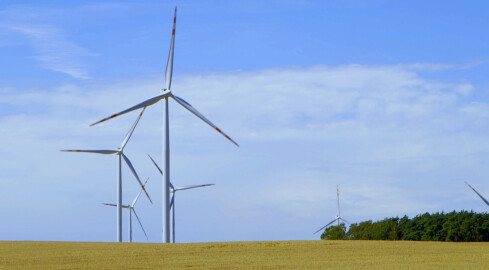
<point>312,254</point>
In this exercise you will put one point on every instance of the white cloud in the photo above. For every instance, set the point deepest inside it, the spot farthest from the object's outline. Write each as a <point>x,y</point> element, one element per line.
<point>394,140</point>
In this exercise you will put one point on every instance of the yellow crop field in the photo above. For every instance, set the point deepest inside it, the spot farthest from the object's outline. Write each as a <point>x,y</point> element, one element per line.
<point>246,255</point>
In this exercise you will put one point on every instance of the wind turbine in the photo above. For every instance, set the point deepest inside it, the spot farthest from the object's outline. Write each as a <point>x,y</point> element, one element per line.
<point>338,217</point>
<point>120,153</point>
<point>166,94</point>
<point>477,193</point>
<point>173,190</point>
<point>131,210</point>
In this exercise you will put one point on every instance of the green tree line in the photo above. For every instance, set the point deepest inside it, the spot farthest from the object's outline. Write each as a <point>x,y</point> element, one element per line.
<point>455,226</point>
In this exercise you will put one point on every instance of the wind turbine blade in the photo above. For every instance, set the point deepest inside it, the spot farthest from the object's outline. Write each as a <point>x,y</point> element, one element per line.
<point>320,229</point>
<point>131,130</point>
<point>191,187</point>
<point>477,193</point>
<point>345,220</point>
<point>143,104</point>
<point>155,164</point>
<point>189,107</point>
<point>137,197</point>
<point>325,226</point>
<point>172,199</point>
<point>105,152</point>
<point>134,211</point>
<point>129,164</point>
<point>158,167</point>
<point>169,64</point>
<point>109,204</point>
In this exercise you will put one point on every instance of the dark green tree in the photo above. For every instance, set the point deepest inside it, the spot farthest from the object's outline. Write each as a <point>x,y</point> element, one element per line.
<point>334,233</point>
<point>460,226</point>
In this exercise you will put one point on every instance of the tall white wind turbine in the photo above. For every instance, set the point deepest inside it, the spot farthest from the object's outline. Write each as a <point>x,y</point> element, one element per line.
<point>338,217</point>
<point>173,191</point>
<point>166,94</point>
<point>120,153</point>
<point>477,193</point>
<point>131,209</point>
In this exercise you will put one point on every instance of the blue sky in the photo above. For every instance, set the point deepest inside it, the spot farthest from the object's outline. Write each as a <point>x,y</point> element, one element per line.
<point>388,99</point>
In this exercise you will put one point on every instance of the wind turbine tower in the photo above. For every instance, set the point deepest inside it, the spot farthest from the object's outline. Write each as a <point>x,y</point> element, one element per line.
<point>338,217</point>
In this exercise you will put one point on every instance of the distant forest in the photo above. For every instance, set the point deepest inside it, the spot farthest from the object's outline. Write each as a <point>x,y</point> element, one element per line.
<point>460,226</point>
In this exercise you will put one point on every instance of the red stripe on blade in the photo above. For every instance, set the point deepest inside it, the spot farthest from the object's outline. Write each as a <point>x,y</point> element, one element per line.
<point>218,130</point>
<point>141,114</point>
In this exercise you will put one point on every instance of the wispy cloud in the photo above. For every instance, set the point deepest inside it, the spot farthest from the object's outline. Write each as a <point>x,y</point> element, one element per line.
<point>53,51</point>
<point>51,48</point>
